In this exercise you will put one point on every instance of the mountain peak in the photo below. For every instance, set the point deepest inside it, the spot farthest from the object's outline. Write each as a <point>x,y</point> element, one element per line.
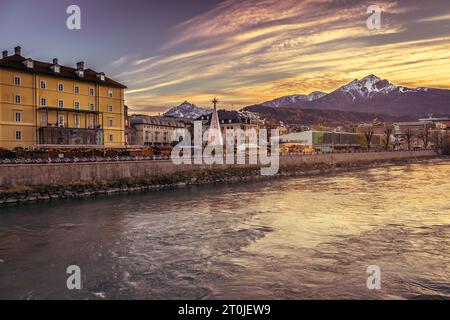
<point>316,95</point>
<point>294,98</point>
<point>187,110</point>
<point>371,77</point>
<point>367,87</point>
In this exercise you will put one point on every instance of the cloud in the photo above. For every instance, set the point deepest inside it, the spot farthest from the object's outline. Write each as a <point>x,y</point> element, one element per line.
<point>255,50</point>
<point>119,62</point>
<point>440,18</point>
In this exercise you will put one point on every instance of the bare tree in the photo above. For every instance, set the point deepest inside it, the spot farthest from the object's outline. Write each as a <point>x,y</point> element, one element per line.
<point>425,136</point>
<point>436,138</point>
<point>408,135</point>
<point>367,130</point>
<point>388,129</point>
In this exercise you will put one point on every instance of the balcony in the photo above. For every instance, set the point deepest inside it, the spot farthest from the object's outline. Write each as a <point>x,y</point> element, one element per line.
<point>70,136</point>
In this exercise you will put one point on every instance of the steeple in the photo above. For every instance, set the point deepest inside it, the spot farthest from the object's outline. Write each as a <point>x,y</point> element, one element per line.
<point>215,134</point>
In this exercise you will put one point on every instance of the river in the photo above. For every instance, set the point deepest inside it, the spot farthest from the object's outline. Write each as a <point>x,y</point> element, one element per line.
<point>293,238</point>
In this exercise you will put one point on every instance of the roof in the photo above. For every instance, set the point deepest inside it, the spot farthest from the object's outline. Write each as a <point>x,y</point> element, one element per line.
<point>413,123</point>
<point>436,119</point>
<point>16,62</point>
<point>159,121</point>
<point>225,116</point>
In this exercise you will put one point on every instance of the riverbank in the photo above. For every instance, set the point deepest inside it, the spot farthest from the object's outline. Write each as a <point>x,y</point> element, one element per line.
<point>310,165</point>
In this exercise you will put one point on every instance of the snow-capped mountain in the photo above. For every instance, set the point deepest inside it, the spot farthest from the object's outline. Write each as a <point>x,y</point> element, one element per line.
<point>367,87</point>
<point>372,86</point>
<point>295,98</point>
<point>316,95</point>
<point>372,94</point>
<point>187,110</point>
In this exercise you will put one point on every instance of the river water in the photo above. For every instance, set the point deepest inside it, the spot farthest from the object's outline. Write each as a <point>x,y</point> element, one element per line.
<point>295,238</point>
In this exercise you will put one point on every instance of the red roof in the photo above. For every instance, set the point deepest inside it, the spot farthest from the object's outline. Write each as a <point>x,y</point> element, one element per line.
<point>16,62</point>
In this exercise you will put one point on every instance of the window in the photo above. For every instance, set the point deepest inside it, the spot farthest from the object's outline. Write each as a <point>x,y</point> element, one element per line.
<point>91,91</point>
<point>29,63</point>
<point>44,120</point>
<point>111,137</point>
<point>110,122</point>
<point>61,120</point>
<point>110,108</point>
<point>18,116</point>
<point>76,90</point>
<point>91,122</point>
<point>43,102</point>
<point>77,121</point>
<point>60,103</point>
<point>18,99</point>
<point>92,106</point>
<point>43,84</point>
<point>17,81</point>
<point>110,93</point>
<point>18,135</point>
<point>60,87</point>
<point>76,105</point>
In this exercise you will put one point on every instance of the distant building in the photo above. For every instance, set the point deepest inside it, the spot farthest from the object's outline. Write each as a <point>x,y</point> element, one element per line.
<point>327,141</point>
<point>229,121</point>
<point>442,123</point>
<point>376,126</point>
<point>413,129</point>
<point>155,131</point>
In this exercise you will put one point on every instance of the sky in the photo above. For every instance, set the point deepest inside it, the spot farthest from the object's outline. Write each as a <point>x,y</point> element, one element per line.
<point>242,51</point>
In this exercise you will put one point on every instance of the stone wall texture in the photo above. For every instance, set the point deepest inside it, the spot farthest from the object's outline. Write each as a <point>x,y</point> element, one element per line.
<point>12,175</point>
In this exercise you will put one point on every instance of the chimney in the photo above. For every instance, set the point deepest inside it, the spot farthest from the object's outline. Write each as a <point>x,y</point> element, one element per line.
<point>4,54</point>
<point>18,50</point>
<point>80,65</point>
<point>55,60</point>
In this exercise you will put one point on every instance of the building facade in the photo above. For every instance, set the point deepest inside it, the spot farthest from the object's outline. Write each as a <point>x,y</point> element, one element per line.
<point>155,131</point>
<point>47,104</point>
<point>229,122</point>
<point>327,141</point>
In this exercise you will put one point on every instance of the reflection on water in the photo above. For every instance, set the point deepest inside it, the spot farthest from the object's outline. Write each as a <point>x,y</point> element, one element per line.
<point>284,239</point>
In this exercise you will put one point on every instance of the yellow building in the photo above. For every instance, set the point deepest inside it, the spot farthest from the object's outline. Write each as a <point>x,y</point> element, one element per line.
<point>46,104</point>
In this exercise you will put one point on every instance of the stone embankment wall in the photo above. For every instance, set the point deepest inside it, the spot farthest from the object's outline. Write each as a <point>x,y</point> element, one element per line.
<point>34,182</point>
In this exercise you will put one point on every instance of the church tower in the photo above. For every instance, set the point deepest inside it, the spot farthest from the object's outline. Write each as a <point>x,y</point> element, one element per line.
<point>215,134</point>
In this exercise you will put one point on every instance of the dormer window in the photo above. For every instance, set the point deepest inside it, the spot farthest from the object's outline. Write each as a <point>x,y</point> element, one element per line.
<point>80,73</point>
<point>56,68</point>
<point>101,76</point>
<point>28,63</point>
